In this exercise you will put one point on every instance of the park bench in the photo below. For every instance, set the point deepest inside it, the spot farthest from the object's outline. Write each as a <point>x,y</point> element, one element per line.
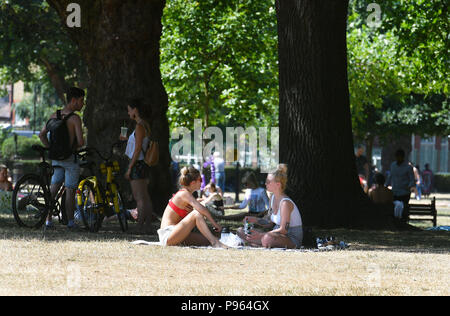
<point>424,210</point>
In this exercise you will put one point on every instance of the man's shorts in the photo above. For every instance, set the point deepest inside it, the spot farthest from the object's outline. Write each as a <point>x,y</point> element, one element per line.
<point>69,173</point>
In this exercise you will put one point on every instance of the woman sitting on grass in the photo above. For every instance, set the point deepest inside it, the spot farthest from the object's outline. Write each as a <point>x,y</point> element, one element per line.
<point>214,201</point>
<point>285,218</point>
<point>184,213</point>
<point>255,199</point>
<point>5,184</point>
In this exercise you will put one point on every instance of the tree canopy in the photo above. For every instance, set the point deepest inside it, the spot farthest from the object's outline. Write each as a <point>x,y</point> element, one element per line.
<point>219,62</point>
<point>397,69</point>
<point>33,38</point>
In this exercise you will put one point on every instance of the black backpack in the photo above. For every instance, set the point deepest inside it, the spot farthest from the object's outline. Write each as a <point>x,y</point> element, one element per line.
<point>60,146</point>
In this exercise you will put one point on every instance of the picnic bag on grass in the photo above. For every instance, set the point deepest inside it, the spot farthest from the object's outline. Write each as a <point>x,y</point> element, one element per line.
<point>60,147</point>
<point>151,156</point>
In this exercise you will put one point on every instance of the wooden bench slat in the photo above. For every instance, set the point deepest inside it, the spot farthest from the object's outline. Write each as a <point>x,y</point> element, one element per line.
<point>423,210</point>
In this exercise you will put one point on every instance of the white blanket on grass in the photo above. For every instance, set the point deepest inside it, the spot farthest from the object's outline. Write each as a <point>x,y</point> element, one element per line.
<point>328,248</point>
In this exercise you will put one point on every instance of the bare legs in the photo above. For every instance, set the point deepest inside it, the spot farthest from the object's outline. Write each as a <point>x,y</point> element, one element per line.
<point>266,240</point>
<point>182,232</point>
<point>144,204</point>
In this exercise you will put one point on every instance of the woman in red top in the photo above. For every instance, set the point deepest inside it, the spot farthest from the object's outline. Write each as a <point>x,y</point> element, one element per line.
<point>184,212</point>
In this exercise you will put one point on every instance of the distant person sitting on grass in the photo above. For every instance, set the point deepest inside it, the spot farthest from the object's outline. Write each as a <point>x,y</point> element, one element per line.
<point>5,184</point>
<point>210,189</point>
<point>255,199</point>
<point>5,189</point>
<point>214,201</point>
<point>184,213</point>
<point>381,194</point>
<point>285,218</point>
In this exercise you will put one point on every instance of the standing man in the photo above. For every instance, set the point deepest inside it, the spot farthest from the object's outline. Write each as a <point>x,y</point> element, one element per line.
<point>401,178</point>
<point>219,168</point>
<point>68,171</point>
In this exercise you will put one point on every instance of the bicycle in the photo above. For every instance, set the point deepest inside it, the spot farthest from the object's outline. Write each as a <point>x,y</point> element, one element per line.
<point>31,198</point>
<point>94,203</point>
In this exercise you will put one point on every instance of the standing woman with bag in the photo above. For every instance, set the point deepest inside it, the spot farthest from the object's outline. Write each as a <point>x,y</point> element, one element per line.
<point>138,171</point>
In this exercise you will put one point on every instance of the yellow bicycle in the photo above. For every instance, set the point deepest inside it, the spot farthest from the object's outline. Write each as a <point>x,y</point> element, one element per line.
<point>94,203</point>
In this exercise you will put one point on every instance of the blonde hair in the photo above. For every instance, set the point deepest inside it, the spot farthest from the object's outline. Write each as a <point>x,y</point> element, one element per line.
<point>188,175</point>
<point>281,175</point>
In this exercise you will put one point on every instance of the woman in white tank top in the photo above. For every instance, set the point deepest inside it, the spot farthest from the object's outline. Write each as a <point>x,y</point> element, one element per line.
<point>138,171</point>
<point>285,219</point>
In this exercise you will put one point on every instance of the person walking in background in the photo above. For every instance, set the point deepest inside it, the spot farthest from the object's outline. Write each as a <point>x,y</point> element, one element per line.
<point>418,179</point>
<point>219,167</point>
<point>427,178</point>
<point>401,178</point>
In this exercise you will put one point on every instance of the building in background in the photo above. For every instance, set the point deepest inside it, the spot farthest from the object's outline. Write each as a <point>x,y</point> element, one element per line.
<point>15,94</point>
<point>433,150</point>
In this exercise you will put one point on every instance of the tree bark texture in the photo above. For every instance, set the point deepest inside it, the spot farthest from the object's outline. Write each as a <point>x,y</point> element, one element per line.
<point>315,121</point>
<point>119,41</point>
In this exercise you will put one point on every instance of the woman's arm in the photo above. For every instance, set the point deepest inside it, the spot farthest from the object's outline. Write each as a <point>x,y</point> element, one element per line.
<point>266,224</point>
<point>209,198</point>
<point>286,211</point>
<point>247,197</point>
<point>139,138</point>
<point>201,209</point>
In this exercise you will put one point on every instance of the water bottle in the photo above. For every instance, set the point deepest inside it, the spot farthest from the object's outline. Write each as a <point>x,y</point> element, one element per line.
<point>247,227</point>
<point>224,233</point>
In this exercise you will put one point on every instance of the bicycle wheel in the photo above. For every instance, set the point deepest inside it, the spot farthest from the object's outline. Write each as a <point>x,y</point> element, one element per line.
<point>30,201</point>
<point>88,209</point>
<point>122,216</point>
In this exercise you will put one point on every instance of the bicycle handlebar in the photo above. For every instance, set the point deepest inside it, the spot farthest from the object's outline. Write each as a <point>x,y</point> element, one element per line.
<point>85,150</point>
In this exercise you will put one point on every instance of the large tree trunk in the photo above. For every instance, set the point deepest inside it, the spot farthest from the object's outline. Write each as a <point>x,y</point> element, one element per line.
<point>119,41</point>
<point>315,124</point>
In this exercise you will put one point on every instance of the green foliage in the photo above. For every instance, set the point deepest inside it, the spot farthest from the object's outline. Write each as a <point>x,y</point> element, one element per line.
<point>219,62</point>
<point>422,29</point>
<point>395,88</point>
<point>23,147</point>
<point>33,38</point>
<point>25,109</point>
<point>4,134</point>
